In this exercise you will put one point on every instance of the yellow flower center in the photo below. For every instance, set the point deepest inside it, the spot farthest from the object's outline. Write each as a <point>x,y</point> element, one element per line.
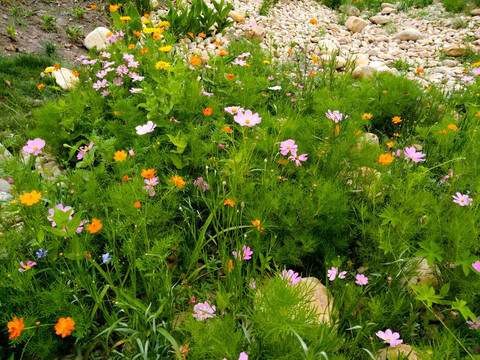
<point>288,147</point>
<point>247,121</point>
<point>35,148</point>
<point>463,200</point>
<point>203,313</point>
<point>389,340</point>
<point>234,110</point>
<point>413,157</point>
<point>28,267</point>
<point>87,148</point>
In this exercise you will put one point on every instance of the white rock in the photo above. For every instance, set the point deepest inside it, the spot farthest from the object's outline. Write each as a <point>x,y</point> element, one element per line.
<point>362,71</point>
<point>327,47</point>
<point>320,300</point>
<point>4,186</point>
<point>409,34</point>
<point>256,32</point>
<point>96,39</point>
<point>402,350</point>
<point>355,24</point>
<point>236,16</point>
<point>388,10</point>
<point>379,19</point>
<point>475,12</point>
<point>65,79</point>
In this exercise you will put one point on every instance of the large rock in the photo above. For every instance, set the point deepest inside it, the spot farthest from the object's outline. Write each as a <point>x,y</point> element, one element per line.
<point>363,71</point>
<point>65,79</point>
<point>355,24</point>
<point>96,39</point>
<point>402,350</point>
<point>349,10</point>
<point>4,153</point>
<point>387,5</point>
<point>327,47</point>
<point>359,59</point>
<point>4,186</point>
<point>456,50</point>
<point>368,139</point>
<point>379,19</point>
<point>236,16</point>
<point>475,12</point>
<point>326,60</point>
<point>409,34</point>
<point>421,273</point>
<point>256,32</point>
<point>388,10</point>
<point>320,300</point>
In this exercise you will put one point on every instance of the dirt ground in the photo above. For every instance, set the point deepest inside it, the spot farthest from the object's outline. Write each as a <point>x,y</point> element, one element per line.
<point>31,38</point>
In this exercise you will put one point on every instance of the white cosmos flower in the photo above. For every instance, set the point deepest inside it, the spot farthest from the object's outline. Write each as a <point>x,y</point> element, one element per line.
<point>145,129</point>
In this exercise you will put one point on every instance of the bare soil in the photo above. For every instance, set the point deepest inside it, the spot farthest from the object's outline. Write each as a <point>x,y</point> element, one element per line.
<point>31,38</point>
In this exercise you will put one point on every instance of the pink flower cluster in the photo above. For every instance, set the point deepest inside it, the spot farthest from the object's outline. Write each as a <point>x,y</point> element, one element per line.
<point>390,337</point>
<point>289,146</point>
<point>291,277</point>
<point>247,118</point>
<point>203,311</point>
<point>149,187</point>
<point>332,274</point>
<point>245,254</point>
<point>335,115</point>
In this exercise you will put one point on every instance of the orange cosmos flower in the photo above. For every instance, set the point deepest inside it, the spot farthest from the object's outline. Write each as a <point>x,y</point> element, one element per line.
<point>202,35</point>
<point>397,119</point>
<point>366,116</point>
<point>148,174</point>
<point>228,202</point>
<point>114,8</point>
<point>136,33</point>
<point>442,131</point>
<point>312,74</point>
<point>15,327</point>
<point>126,178</point>
<point>91,7</point>
<point>94,227</point>
<point>419,71</point>
<point>120,156</point>
<point>222,52</point>
<point>56,67</point>
<point>227,129</point>
<point>477,114</point>
<point>75,73</point>
<point>40,86</point>
<point>313,21</point>
<point>177,181</point>
<point>30,198</point>
<point>64,326</point>
<point>315,59</point>
<point>230,76</point>
<point>396,134</point>
<point>385,159</point>
<point>207,111</point>
<point>290,51</point>
<point>137,205</point>
<point>156,36</point>
<point>191,34</point>
<point>389,144</point>
<point>218,43</point>
<point>144,51</point>
<point>195,60</point>
<point>385,91</point>
<point>147,16</point>
<point>257,224</point>
<point>452,127</point>
<point>131,46</point>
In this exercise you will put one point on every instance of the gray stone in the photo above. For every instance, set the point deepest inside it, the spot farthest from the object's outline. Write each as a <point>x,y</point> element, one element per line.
<point>379,19</point>
<point>475,12</point>
<point>355,24</point>
<point>362,71</point>
<point>409,34</point>
<point>96,39</point>
<point>256,32</point>
<point>236,16</point>
<point>349,10</point>
<point>4,186</point>
<point>5,196</point>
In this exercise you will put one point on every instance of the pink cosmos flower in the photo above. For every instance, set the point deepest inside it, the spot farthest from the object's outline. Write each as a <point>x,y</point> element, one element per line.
<point>135,90</point>
<point>239,62</point>
<point>136,77</point>
<point>131,153</point>
<point>411,153</point>
<point>107,64</point>
<point>361,279</point>
<point>246,253</point>
<point>467,79</point>
<point>243,356</point>
<point>332,273</point>
<point>234,110</point>
<point>298,158</point>
<point>475,323</point>
<point>89,62</point>
<point>105,54</point>
<point>448,176</point>
<point>133,64</point>
<point>62,208</point>
<point>83,150</point>
<point>342,275</point>
<point>105,92</point>
<point>399,153</point>
<point>128,57</point>
<point>336,116</point>
<point>244,55</point>
<point>201,184</point>
<point>118,81</point>
<point>81,58</point>
<point>122,70</point>
<point>250,24</point>
<point>462,200</point>
<point>390,338</point>
<point>192,299</point>
<point>10,180</point>
<point>34,146</point>
<point>247,118</point>
<point>145,129</point>
<point>203,92</point>
<point>288,146</point>
<point>100,84</point>
<point>203,311</point>
<point>26,267</point>
<point>252,284</point>
<point>476,265</point>
<point>149,187</point>
<point>292,277</point>
<point>101,74</point>
<point>476,71</point>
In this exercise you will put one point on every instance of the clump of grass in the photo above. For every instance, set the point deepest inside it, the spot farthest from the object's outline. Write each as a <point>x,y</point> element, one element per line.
<point>49,22</point>
<point>79,12</point>
<point>74,32</point>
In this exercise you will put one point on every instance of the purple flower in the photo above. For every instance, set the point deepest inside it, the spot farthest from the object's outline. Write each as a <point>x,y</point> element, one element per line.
<point>361,279</point>
<point>462,200</point>
<point>83,150</point>
<point>100,84</point>
<point>201,184</point>
<point>342,275</point>
<point>336,116</point>
<point>476,265</point>
<point>288,146</point>
<point>145,129</point>
<point>293,100</point>
<point>252,284</point>
<point>475,323</point>
<point>246,253</point>
<point>411,153</point>
<point>135,90</point>
<point>298,158</point>
<point>332,273</point>
<point>247,119</point>
<point>10,180</point>
<point>203,311</point>
<point>292,277</point>
<point>239,62</point>
<point>131,153</point>
<point>105,92</point>
<point>41,254</point>
<point>26,267</point>
<point>448,176</point>
<point>390,338</point>
<point>149,188</point>
<point>106,258</point>
<point>34,146</point>
<point>476,71</point>
<point>118,81</point>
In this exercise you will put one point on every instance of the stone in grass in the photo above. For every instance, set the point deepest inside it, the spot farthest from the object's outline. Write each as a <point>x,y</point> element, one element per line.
<point>355,24</point>
<point>367,139</point>
<point>63,77</point>
<point>96,39</point>
<point>409,34</point>
<point>325,61</point>
<point>475,12</point>
<point>236,16</point>
<point>4,186</point>
<point>421,273</point>
<point>401,351</point>
<point>349,10</point>
<point>4,153</point>
<point>320,300</point>
<point>379,19</point>
<point>457,50</point>
<point>388,10</point>
<point>327,47</point>
<point>256,32</point>
<point>362,71</point>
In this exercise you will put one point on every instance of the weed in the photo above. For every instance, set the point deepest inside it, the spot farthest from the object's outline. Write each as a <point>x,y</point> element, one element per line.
<point>459,23</point>
<point>74,32</point>
<point>49,22</point>
<point>391,27</point>
<point>401,65</point>
<point>50,49</point>
<point>78,12</point>
<point>265,8</point>
<point>11,31</point>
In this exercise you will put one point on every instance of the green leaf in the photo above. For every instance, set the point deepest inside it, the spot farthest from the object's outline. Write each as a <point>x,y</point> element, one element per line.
<point>462,307</point>
<point>426,294</point>
<point>431,251</point>
<point>180,141</point>
<point>466,259</point>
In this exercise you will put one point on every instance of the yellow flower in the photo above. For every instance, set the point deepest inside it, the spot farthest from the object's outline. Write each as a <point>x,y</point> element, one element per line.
<point>257,224</point>
<point>125,19</point>
<point>475,64</point>
<point>49,70</point>
<point>266,62</point>
<point>30,198</point>
<point>452,127</point>
<point>145,22</point>
<point>396,134</point>
<point>177,181</point>
<point>148,30</point>
<point>165,48</point>
<point>389,144</point>
<point>477,114</point>
<point>162,65</point>
<point>95,226</point>
<point>366,116</point>
<point>165,24</point>
<point>397,119</point>
<point>114,8</point>
<point>315,59</point>
<point>120,156</point>
<point>385,159</point>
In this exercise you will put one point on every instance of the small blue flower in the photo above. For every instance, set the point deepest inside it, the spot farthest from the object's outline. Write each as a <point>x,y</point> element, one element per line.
<point>106,258</point>
<point>40,253</point>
